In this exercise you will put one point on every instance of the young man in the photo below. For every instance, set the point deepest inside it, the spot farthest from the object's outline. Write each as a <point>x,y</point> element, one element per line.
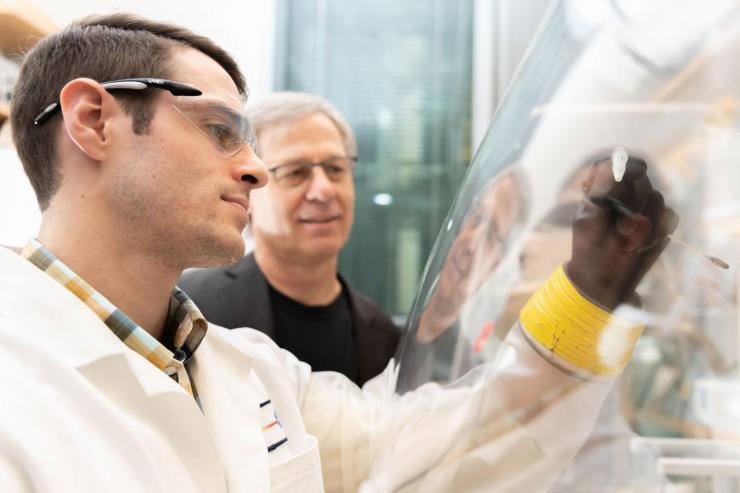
<point>289,287</point>
<point>113,381</point>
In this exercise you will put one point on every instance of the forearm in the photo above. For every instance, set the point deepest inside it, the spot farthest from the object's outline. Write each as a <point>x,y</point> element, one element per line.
<point>531,398</point>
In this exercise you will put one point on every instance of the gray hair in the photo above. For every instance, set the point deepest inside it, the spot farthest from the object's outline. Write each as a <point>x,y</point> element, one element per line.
<point>287,106</point>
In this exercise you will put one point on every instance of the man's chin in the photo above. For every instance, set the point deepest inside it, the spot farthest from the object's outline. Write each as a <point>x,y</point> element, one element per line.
<point>219,252</point>
<point>321,252</point>
<point>329,244</point>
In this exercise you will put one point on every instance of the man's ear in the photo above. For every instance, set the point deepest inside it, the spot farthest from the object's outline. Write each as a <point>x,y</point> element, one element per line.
<point>87,108</point>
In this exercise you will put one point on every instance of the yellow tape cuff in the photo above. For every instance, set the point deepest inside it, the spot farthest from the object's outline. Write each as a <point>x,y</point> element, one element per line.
<point>574,329</point>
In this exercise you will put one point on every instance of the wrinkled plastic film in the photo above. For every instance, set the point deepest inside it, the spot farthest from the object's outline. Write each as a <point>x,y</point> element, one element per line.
<point>482,405</point>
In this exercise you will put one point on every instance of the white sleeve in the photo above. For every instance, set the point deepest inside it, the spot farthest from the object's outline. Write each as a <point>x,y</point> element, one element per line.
<point>510,425</point>
<point>12,477</point>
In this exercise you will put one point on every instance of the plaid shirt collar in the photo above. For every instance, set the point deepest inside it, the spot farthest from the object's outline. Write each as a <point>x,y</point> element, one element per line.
<point>185,327</point>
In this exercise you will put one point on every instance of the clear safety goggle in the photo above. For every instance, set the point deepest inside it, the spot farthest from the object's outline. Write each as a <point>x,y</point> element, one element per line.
<point>220,119</point>
<point>223,122</point>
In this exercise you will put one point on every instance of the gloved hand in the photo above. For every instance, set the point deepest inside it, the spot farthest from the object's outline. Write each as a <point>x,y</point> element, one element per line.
<point>620,229</point>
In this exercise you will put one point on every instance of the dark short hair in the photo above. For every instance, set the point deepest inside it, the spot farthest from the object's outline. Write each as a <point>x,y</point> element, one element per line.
<point>100,47</point>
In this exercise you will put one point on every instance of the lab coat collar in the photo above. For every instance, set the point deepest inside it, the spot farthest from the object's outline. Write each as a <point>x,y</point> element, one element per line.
<point>80,338</point>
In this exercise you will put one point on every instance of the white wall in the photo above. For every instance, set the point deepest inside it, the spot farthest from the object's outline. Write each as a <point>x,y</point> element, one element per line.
<point>503,30</point>
<point>19,214</point>
<point>246,28</point>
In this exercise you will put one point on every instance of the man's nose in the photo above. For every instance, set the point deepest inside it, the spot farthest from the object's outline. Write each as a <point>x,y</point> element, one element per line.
<point>249,168</point>
<point>320,188</point>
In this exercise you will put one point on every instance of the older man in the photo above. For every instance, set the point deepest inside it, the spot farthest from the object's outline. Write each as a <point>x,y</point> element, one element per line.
<point>289,286</point>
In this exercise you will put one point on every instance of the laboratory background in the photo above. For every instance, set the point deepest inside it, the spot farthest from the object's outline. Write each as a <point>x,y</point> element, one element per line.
<point>474,112</point>
<point>417,80</point>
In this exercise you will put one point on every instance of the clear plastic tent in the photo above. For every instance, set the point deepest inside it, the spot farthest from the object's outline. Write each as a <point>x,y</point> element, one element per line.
<point>577,324</point>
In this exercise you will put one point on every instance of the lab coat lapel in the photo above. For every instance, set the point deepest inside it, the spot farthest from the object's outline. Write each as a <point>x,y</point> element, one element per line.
<point>230,393</point>
<point>135,387</point>
<point>30,298</point>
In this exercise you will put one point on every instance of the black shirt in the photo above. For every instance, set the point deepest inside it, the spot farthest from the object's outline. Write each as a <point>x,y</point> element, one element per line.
<point>239,296</point>
<point>322,336</point>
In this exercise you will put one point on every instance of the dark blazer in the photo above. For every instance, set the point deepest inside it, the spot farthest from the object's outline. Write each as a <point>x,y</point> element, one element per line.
<point>238,296</point>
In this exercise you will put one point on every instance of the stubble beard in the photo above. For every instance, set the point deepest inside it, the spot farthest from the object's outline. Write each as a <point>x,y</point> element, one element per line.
<point>211,250</point>
<point>153,226</point>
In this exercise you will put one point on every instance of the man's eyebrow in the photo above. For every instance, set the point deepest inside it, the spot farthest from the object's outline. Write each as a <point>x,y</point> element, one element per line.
<point>214,103</point>
<point>305,160</point>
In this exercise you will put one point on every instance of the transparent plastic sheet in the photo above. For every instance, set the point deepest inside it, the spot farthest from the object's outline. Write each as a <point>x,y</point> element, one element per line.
<point>497,405</point>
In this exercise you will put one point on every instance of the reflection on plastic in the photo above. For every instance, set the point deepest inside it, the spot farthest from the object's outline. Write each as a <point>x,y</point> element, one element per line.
<point>560,314</point>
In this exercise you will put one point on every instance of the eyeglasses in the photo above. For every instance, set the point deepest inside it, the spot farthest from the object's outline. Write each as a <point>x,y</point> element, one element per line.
<point>136,84</point>
<point>338,169</point>
<point>228,128</point>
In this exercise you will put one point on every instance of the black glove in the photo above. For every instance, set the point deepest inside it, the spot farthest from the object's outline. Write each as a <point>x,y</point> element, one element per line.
<point>619,231</point>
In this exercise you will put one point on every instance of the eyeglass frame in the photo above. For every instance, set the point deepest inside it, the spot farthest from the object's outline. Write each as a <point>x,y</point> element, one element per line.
<point>139,84</point>
<point>274,169</point>
<point>136,83</point>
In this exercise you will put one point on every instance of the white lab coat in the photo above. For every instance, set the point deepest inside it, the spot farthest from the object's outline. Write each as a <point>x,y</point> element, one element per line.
<point>79,411</point>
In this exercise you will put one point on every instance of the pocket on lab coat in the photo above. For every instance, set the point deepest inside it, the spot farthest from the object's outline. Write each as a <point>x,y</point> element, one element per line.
<point>302,472</point>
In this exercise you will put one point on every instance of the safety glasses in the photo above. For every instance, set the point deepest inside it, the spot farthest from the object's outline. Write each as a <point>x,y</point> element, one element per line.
<point>224,123</point>
<point>230,129</point>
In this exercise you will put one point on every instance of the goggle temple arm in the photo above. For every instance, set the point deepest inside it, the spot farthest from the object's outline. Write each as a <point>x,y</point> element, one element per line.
<point>136,84</point>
